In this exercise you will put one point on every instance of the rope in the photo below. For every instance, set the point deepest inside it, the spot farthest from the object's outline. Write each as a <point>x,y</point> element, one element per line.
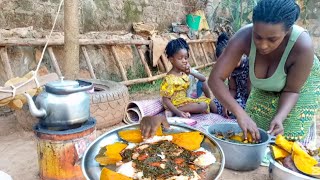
<point>34,73</point>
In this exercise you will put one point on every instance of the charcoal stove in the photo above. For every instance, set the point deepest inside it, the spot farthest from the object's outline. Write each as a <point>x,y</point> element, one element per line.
<point>60,151</point>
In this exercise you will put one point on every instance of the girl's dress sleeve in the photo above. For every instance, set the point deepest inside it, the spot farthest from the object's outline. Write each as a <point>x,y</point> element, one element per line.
<point>167,87</point>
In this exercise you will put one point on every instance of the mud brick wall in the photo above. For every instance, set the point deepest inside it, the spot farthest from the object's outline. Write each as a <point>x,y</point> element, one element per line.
<point>95,15</point>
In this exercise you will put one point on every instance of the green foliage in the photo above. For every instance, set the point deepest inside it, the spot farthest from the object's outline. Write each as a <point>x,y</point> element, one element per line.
<point>239,11</point>
<point>145,87</point>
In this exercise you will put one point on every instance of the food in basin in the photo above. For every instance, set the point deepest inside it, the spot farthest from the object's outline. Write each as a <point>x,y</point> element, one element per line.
<point>171,156</point>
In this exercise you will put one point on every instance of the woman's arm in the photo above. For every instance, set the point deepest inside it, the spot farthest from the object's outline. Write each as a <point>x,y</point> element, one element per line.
<point>237,46</point>
<point>297,75</point>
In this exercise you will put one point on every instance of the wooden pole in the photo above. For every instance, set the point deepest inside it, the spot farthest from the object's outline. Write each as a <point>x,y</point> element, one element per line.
<point>164,61</point>
<point>200,41</point>
<point>144,62</point>
<point>60,42</point>
<point>6,62</point>
<point>86,56</point>
<point>119,64</point>
<point>71,38</point>
<point>153,78</point>
<point>143,80</point>
<point>192,55</point>
<point>54,61</point>
<point>161,66</point>
<point>204,52</point>
<point>214,51</point>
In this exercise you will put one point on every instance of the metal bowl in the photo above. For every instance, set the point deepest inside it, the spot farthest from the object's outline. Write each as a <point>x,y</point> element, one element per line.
<point>91,169</point>
<point>278,172</point>
<point>240,157</point>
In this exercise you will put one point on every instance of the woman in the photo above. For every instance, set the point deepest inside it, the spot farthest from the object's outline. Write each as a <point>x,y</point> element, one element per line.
<point>283,70</point>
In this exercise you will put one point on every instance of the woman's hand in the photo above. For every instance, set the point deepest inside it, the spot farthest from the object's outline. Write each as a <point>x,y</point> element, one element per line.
<point>276,127</point>
<point>225,112</point>
<point>249,126</point>
<point>183,114</point>
<point>150,124</point>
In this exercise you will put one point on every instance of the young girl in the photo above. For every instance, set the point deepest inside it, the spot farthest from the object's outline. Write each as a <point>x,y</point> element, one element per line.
<point>239,83</point>
<point>176,83</point>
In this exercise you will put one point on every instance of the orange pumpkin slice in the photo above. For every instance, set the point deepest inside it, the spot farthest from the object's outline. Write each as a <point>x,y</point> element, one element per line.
<point>110,154</point>
<point>278,153</point>
<point>305,166</point>
<point>134,135</point>
<point>283,143</point>
<point>188,140</point>
<point>107,174</point>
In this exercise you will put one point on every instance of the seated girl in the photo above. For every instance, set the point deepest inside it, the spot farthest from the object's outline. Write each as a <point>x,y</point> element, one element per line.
<point>173,89</point>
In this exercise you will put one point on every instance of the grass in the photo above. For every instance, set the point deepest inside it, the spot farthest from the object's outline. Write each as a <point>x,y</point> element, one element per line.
<point>145,87</point>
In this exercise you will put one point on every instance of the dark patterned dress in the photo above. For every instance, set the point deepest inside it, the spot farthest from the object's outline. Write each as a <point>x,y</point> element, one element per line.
<point>241,75</point>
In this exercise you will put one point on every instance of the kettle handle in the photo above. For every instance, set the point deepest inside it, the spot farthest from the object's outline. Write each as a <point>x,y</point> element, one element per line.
<point>63,91</point>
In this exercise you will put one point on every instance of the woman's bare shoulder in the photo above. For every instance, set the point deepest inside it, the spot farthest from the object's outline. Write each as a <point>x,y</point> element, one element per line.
<point>242,38</point>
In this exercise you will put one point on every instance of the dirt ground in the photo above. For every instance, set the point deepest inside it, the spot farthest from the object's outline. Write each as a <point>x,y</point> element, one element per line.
<point>18,150</point>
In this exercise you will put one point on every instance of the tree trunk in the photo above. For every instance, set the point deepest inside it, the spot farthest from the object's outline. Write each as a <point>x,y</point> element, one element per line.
<point>71,39</point>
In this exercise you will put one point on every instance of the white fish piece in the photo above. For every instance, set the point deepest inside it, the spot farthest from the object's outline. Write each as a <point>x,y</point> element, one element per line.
<point>162,156</point>
<point>127,169</point>
<point>206,159</point>
<point>135,155</point>
<point>142,147</point>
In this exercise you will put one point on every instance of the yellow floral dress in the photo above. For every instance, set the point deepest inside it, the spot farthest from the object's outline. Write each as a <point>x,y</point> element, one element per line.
<point>175,88</point>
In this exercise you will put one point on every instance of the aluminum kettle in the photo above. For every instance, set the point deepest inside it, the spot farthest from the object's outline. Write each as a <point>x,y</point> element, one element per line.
<point>63,103</point>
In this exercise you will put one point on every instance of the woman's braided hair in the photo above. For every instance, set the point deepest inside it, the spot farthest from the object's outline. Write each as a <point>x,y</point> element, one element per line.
<point>176,45</point>
<point>276,11</point>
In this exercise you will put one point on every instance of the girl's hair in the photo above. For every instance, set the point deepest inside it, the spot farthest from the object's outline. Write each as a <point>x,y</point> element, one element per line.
<point>176,45</point>
<point>221,43</point>
<point>276,11</point>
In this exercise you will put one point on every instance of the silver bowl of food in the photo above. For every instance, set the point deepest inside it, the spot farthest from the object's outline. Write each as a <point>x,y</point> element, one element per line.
<point>240,156</point>
<point>279,172</point>
<point>91,169</point>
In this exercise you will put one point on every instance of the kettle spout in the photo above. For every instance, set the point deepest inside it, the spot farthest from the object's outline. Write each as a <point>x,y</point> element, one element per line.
<point>39,113</point>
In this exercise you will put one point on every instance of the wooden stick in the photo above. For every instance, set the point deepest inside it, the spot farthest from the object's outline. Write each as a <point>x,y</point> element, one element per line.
<point>86,57</point>
<point>6,62</point>
<point>201,41</point>
<point>192,55</point>
<point>144,62</point>
<point>119,64</point>
<point>214,51</point>
<point>60,41</point>
<point>161,66</point>
<point>204,52</point>
<point>31,85</point>
<point>164,61</point>
<point>54,61</point>
<point>153,78</point>
<point>143,80</point>
<point>205,65</point>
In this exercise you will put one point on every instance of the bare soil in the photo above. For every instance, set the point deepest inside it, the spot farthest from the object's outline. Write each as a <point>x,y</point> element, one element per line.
<point>18,149</point>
